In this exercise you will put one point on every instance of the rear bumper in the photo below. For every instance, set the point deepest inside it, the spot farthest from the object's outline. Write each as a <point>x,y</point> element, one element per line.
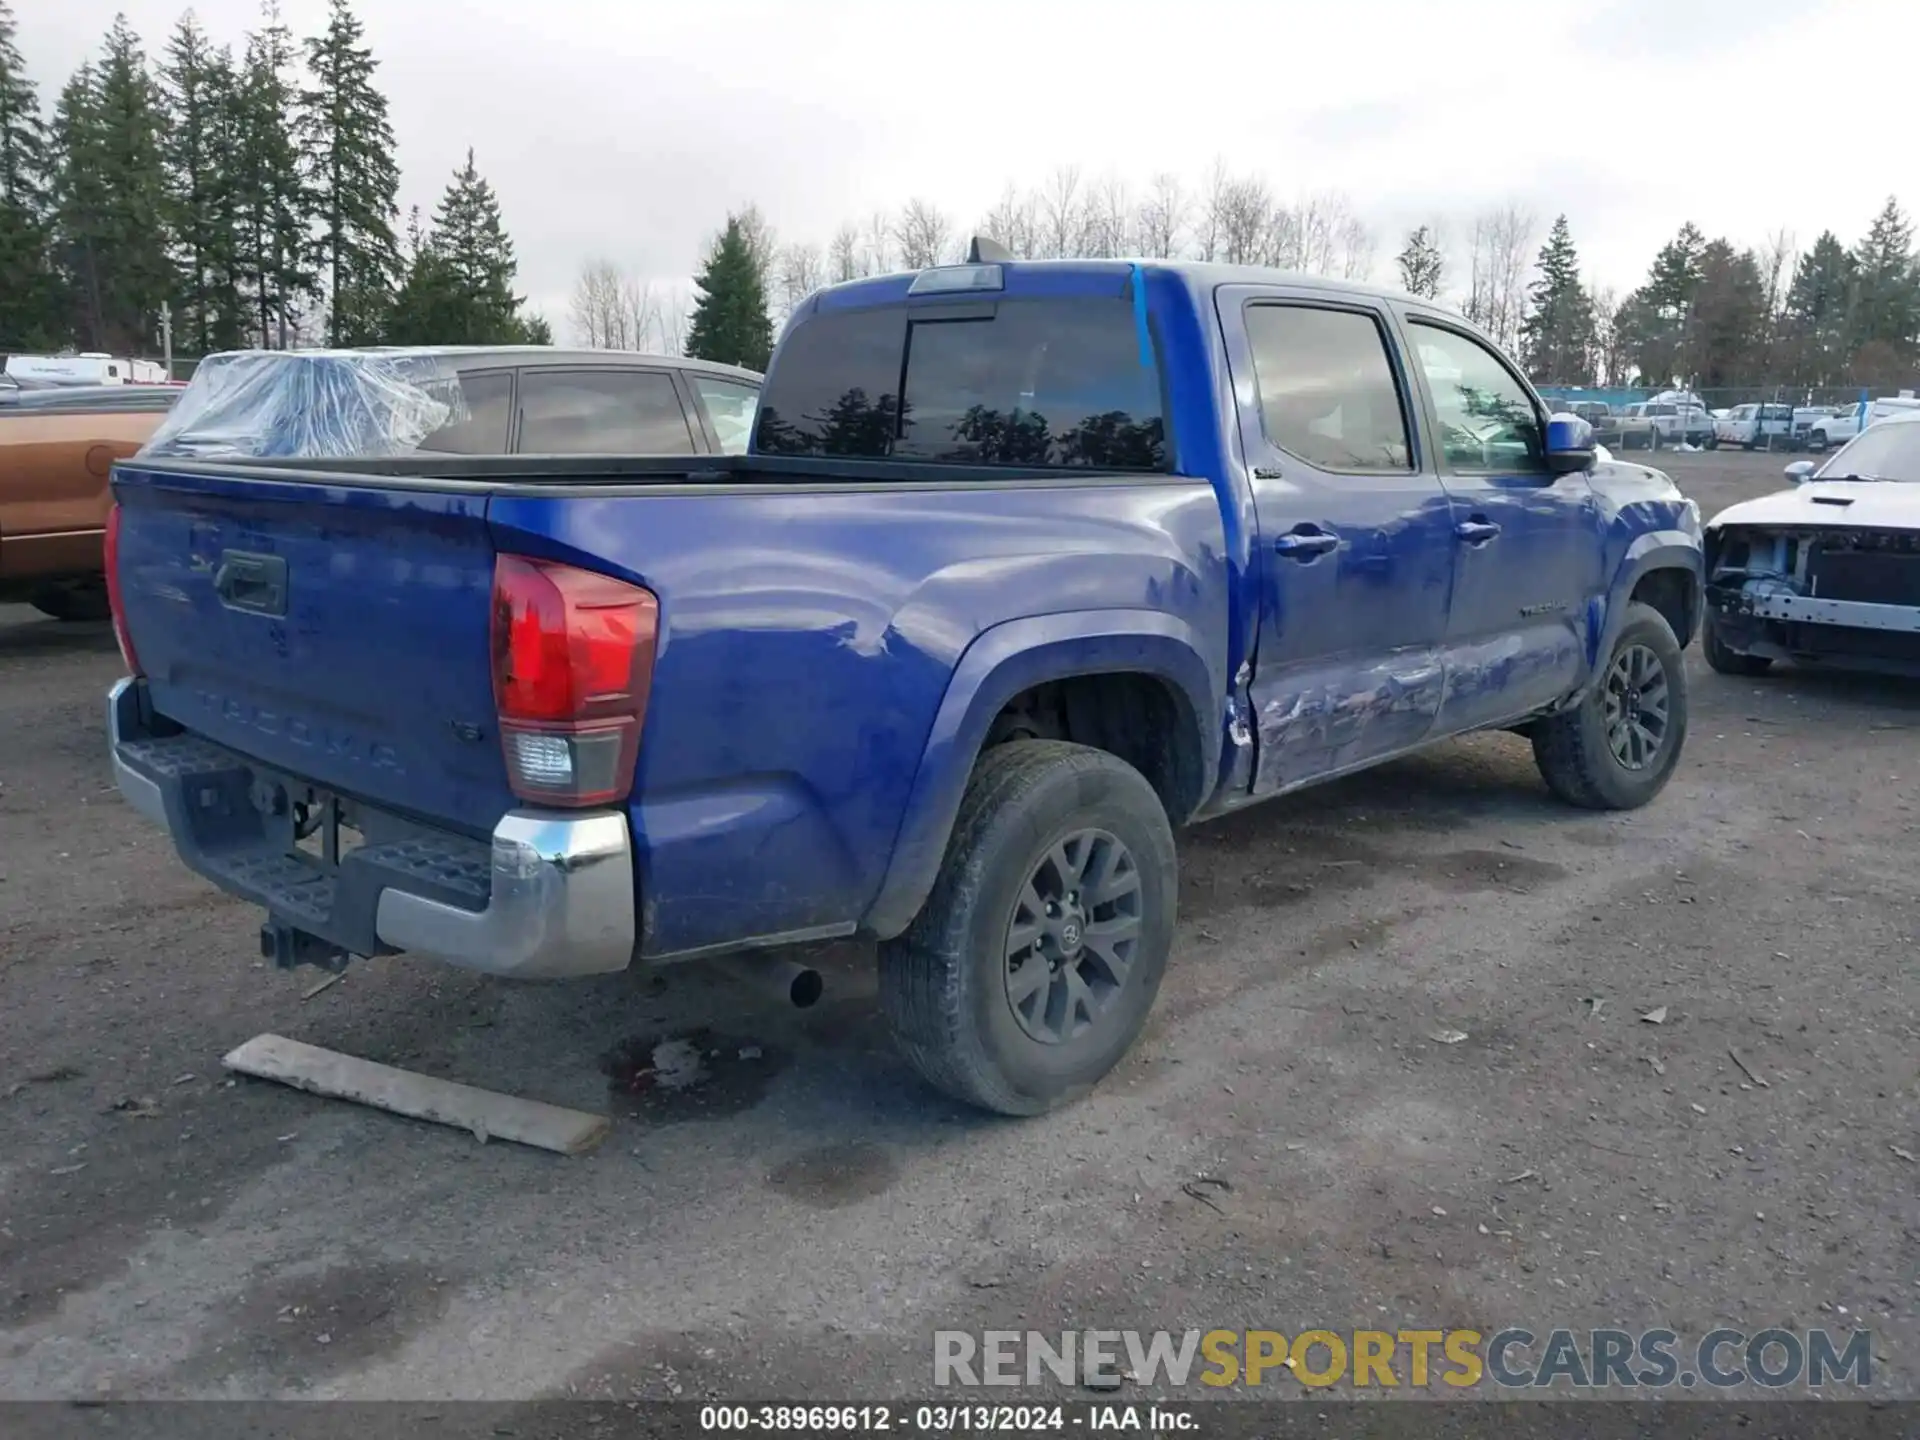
<point>550,896</point>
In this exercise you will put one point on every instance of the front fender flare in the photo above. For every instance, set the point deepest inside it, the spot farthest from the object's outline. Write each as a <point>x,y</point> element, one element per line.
<point>1655,550</point>
<point>999,664</point>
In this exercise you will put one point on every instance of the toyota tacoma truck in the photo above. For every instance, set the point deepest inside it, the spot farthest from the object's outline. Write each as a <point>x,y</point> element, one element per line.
<point>1027,565</point>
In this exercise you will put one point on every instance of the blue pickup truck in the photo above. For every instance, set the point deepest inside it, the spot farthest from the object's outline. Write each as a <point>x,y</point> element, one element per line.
<point>1028,565</point>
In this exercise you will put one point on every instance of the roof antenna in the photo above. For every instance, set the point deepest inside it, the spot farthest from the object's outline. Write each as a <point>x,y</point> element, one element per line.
<point>985,250</point>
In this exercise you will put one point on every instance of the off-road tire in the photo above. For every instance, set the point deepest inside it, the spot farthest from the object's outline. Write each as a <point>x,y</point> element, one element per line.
<point>73,603</point>
<point>942,983</point>
<point>1722,658</point>
<point>1572,748</point>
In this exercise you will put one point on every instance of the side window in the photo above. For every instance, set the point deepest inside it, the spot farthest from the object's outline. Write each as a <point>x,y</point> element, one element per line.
<point>489,397</point>
<point>1327,388</point>
<point>1487,420</point>
<point>730,406</point>
<point>601,412</point>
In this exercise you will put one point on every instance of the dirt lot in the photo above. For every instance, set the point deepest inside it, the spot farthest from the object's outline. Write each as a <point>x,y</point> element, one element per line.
<point>799,1223</point>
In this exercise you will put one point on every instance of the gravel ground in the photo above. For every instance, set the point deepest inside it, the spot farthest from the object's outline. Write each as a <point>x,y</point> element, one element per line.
<point>801,1221</point>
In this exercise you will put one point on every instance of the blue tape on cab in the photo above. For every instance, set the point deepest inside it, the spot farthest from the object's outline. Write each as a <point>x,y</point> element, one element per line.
<point>1140,318</point>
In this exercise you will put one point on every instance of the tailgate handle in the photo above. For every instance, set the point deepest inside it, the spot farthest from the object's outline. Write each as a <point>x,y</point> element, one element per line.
<point>254,583</point>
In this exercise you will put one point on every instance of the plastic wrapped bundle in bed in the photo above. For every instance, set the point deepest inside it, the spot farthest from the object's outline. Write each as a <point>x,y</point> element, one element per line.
<point>311,405</point>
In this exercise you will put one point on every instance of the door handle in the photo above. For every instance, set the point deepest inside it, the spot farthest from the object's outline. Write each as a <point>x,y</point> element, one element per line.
<point>1476,532</point>
<point>1307,545</point>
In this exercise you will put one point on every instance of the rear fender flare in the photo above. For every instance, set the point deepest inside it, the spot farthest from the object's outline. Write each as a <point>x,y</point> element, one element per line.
<point>999,664</point>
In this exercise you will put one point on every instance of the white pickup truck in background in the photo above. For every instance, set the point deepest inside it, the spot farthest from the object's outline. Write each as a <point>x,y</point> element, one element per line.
<point>1754,426</point>
<point>1841,427</point>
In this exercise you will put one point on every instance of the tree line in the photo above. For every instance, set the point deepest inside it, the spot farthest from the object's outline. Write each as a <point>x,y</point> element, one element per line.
<point>1709,313</point>
<point>254,195</point>
<point>1719,317</point>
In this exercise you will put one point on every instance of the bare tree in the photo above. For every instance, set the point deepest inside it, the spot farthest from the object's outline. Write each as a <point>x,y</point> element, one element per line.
<point>1108,227</point>
<point>844,254</point>
<point>1160,225</point>
<point>675,317</point>
<point>1062,217</point>
<point>1497,271</point>
<point>594,309</point>
<point>1014,221</point>
<point>803,270</point>
<point>1214,204</point>
<point>1612,341</point>
<point>1246,216</point>
<point>877,258</point>
<point>923,233</point>
<point>1354,245</point>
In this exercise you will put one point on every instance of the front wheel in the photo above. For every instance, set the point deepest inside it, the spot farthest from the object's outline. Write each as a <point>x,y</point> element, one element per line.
<point>1030,970</point>
<point>1617,748</point>
<point>1723,658</point>
<point>1653,440</point>
<point>1817,442</point>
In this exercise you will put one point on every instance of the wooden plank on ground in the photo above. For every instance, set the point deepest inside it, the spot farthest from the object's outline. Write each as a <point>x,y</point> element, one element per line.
<point>486,1113</point>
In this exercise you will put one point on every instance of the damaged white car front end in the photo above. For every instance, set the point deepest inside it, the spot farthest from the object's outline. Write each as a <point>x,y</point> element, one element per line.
<point>1827,573</point>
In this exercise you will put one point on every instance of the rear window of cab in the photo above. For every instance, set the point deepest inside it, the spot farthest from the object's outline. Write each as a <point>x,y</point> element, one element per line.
<point>1051,383</point>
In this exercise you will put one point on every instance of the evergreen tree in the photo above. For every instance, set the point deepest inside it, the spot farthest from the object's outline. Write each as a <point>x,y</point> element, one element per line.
<point>1422,267</point>
<point>1726,334</point>
<point>1659,310</point>
<point>729,322</point>
<point>348,153</point>
<point>270,204</point>
<point>1818,322</point>
<point>29,303</point>
<point>198,82</point>
<point>1557,337</point>
<point>110,198</point>
<point>1887,276</point>
<point>459,284</point>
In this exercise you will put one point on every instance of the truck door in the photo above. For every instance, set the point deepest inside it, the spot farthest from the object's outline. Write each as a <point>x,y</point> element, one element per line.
<point>1354,555</point>
<point>1528,559</point>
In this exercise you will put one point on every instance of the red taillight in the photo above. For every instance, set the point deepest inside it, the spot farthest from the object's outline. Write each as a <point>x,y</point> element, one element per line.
<point>115,606</point>
<point>572,663</point>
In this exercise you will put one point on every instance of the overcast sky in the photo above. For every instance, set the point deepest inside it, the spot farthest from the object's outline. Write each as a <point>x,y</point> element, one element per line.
<point>628,129</point>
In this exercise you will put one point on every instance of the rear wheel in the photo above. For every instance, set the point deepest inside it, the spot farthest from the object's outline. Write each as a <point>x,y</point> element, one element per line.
<point>1653,440</point>
<point>1724,658</point>
<point>1617,749</point>
<point>1029,972</point>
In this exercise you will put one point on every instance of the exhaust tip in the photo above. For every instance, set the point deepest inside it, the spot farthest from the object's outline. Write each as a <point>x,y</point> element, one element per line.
<point>807,987</point>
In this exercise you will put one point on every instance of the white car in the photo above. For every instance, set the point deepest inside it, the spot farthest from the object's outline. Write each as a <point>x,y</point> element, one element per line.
<point>1827,572</point>
<point>1844,424</point>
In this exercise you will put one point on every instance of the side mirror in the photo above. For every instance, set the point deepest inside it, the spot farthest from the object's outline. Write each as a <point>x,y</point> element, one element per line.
<point>1800,471</point>
<point>1570,445</point>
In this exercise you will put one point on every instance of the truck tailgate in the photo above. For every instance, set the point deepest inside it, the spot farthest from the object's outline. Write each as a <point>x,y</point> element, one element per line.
<point>336,631</point>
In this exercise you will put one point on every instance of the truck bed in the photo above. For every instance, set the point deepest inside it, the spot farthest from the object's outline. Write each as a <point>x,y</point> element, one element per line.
<point>812,616</point>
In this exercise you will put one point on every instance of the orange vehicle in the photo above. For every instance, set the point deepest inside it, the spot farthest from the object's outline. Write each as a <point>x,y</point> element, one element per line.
<point>57,448</point>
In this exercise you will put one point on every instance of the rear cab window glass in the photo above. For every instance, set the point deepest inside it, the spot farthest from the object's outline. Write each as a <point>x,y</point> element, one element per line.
<point>1054,383</point>
<point>1327,388</point>
<point>602,412</point>
<point>1487,420</point>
